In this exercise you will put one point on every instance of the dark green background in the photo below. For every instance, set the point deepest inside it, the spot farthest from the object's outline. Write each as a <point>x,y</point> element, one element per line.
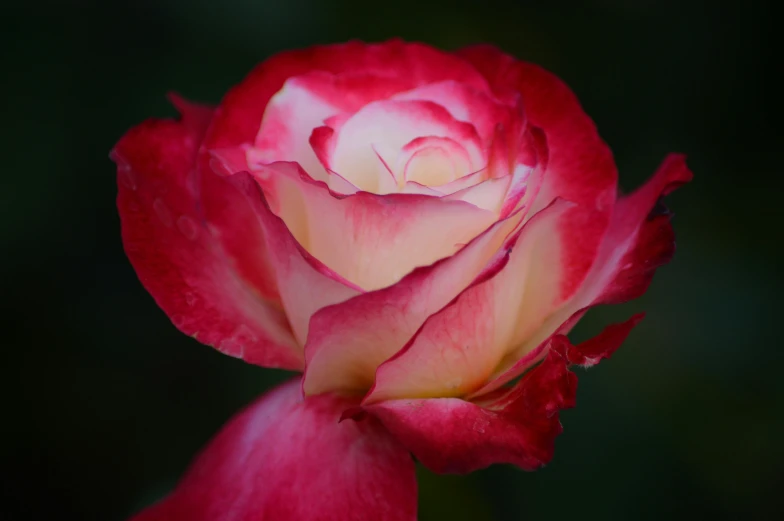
<point>104,402</point>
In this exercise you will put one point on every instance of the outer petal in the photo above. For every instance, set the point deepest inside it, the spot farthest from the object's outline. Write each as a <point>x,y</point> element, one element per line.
<point>580,165</point>
<point>636,243</point>
<point>285,459</point>
<point>306,284</point>
<point>175,256</point>
<point>348,341</point>
<point>368,239</point>
<point>518,427</point>
<point>241,111</point>
<point>458,348</point>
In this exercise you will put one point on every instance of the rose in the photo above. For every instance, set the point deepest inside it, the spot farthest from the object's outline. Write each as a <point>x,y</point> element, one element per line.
<point>414,230</point>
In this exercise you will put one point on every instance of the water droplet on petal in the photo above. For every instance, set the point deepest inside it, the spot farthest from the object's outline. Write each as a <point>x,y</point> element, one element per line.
<point>188,227</point>
<point>480,425</point>
<point>126,176</point>
<point>236,343</point>
<point>178,320</point>
<point>163,213</point>
<point>190,298</point>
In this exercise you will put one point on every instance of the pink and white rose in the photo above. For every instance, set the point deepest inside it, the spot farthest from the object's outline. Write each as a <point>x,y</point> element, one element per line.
<point>413,230</point>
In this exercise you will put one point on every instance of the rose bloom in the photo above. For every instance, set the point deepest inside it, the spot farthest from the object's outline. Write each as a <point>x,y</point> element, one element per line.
<point>416,231</point>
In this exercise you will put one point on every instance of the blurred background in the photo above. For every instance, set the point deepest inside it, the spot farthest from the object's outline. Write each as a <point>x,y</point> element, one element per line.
<point>106,402</point>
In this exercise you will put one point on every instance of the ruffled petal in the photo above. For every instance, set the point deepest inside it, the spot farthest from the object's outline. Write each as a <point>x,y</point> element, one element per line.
<point>348,341</point>
<point>288,459</point>
<point>519,426</point>
<point>638,240</point>
<point>175,255</point>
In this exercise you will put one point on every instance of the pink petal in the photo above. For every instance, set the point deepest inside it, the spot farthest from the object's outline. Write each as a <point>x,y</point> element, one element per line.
<point>242,109</point>
<point>603,345</point>
<point>348,341</point>
<point>175,256</point>
<point>639,239</point>
<point>580,165</point>
<point>518,426</point>
<point>635,244</point>
<point>382,129</point>
<point>304,103</point>
<point>306,284</point>
<point>424,158</point>
<point>285,459</point>
<point>368,239</point>
<point>463,103</point>
<point>459,347</point>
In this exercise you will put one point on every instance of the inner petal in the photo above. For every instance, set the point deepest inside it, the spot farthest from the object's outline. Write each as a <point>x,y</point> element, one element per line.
<point>432,161</point>
<point>431,166</point>
<point>363,147</point>
<point>304,103</point>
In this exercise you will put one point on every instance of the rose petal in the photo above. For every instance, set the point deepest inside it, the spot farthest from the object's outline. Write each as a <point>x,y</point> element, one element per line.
<point>382,129</point>
<point>368,239</point>
<point>433,161</point>
<point>635,244</point>
<point>517,427</point>
<point>348,341</point>
<point>306,284</point>
<point>580,165</point>
<point>241,111</point>
<point>463,103</point>
<point>603,345</point>
<point>304,103</point>
<point>286,459</point>
<point>175,256</point>
<point>459,347</point>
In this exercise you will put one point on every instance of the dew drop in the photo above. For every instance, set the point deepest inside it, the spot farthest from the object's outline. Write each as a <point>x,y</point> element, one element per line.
<point>190,298</point>
<point>163,212</point>
<point>178,321</point>
<point>480,425</point>
<point>188,227</point>
<point>235,345</point>
<point>126,176</point>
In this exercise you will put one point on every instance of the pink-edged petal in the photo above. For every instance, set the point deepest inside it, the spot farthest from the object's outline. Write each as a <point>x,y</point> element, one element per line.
<point>383,128</point>
<point>639,239</point>
<point>348,341</point>
<point>636,243</point>
<point>450,435</point>
<point>580,165</point>
<point>288,459</point>
<point>488,194</point>
<point>175,255</point>
<point>305,283</point>
<point>412,187</point>
<point>467,181</point>
<point>303,104</point>
<point>241,111</point>
<point>368,239</point>
<point>433,161</point>
<point>603,345</point>
<point>463,103</point>
<point>458,348</point>
<point>233,224</point>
